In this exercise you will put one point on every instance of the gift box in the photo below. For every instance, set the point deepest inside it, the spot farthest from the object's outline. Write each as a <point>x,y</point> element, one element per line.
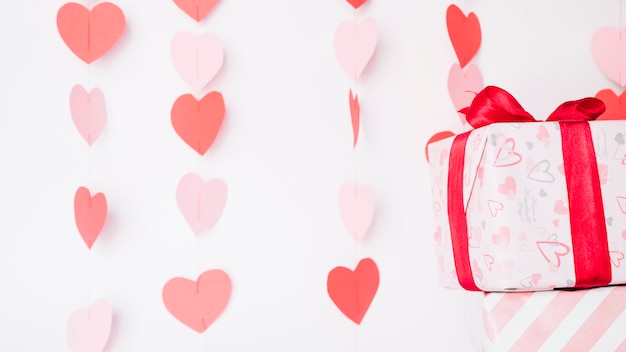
<point>526,205</point>
<point>560,320</point>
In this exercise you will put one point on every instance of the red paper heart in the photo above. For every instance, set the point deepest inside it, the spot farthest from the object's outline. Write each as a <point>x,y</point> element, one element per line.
<point>353,291</point>
<point>356,3</point>
<point>197,9</point>
<point>198,304</point>
<point>437,137</point>
<point>615,105</point>
<point>355,116</point>
<point>90,214</point>
<point>198,122</point>
<point>464,33</point>
<point>90,34</point>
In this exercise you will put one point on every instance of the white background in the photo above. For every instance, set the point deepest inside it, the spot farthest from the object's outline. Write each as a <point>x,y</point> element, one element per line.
<point>284,150</point>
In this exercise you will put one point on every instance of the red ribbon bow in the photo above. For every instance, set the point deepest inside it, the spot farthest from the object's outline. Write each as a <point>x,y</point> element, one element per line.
<point>589,237</point>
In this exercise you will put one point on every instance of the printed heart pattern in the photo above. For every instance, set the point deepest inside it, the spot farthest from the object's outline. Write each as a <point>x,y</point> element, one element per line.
<point>355,116</point>
<point>356,3</point>
<point>464,33</point>
<point>437,137</point>
<point>463,87</point>
<point>506,155</point>
<point>494,206</point>
<point>616,258</point>
<point>197,304</point>
<point>353,291</point>
<point>503,237</point>
<point>489,260</point>
<point>552,251</point>
<point>615,105</point>
<point>198,122</point>
<point>509,186</point>
<point>621,202</point>
<point>354,45</point>
<point>608,50</point>
<point>196,9</point>
<point>90,33</point>
<point>88,330</point>
<point>88,112</point>
<point>560,208</point>
<point>200,202</point>
<point>356,205</point>
<point>541,172</point>
<point>90,213</point>
<point>197,59</point>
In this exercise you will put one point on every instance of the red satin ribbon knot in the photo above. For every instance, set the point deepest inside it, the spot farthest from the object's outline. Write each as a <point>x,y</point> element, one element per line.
<point>589,236</point>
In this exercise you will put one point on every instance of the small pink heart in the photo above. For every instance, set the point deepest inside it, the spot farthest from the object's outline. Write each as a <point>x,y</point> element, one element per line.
<point>198,304</point>
<point>488,261</point>
<point>355,44</point>
<point>88,112</point>
<point>438,234</point>
<point>543,134</point>
<point>463,87</point>
<point>508,187</point>
<point>357,208</point>
<point>552,251</point>
<point>556,222</point>
<point>89,330</point>
<point>506,155</point>
<point>608,48</point>
<point>560,208</point>
<point>355,116</point>
<point>200,202</point>
<point>495,206</point>
<point>616,258</point>
<point>197,59</point>
<point>90,214</point>
<point>503,237</point>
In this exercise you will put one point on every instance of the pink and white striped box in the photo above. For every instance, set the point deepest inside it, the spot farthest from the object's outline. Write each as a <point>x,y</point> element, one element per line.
<point>580,320</point>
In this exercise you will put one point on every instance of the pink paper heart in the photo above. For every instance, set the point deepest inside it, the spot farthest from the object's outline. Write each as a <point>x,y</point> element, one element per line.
<point>88,112</point>
<point>89,330</point>
<point>357,208</point>
<point>608,48</point>
<point>463,85</point>
<point>355,44</point>
<point>90,214</point>
<point>197,59</point>
<point>201,202</point>
<point>355,116</point>
<point>198,304</point>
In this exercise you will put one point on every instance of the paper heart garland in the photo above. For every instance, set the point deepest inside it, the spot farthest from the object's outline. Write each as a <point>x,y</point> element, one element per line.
<point>353,291</point>
<point>615,105</point>
<point>198,122</point>
<point>89,330</point>
<point>357,208</point>
<point>200,202</point>
<point>356,3</point>
<point>464,33</point>
<point>88,112</point>
<point>90,33</point>
<point>90,214</point>
<point>198,304</point>
<point>355,44</point>
<point>355,116</point>
<point>197,59</point>
<point>608,48</point>
<point>196,9</point>
<point>463,87</point>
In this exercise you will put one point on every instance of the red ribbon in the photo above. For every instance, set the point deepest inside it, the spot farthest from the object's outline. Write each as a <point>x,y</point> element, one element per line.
<point>589,237</point>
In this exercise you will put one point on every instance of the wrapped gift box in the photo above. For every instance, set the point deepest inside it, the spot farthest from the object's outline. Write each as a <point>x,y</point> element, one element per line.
<point>560,320</point>
<point>526,225</point>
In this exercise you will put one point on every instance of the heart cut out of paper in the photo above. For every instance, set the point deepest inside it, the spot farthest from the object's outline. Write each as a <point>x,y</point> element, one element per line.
<point>356,3</point>
<point>200,202</point>
<point>90,213</point>
<point>90,33</point>
<point>88,112</point>
<point>197,59</point>
<point>615,105</point>
<point>463,85</point>
<point>198,122</point>
<point>196,9</point>
<point>355,116</point>
<point>464,33</point>
<point>355,44</point>
<point>357,208</point>
<point>353,291</point>
<point>198,304</point>
<point>88,330</point>
<point>608,49</point>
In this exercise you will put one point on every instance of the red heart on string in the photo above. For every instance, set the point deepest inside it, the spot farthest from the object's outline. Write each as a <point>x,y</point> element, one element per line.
<point>90,34</point>
<point>355,116</point>
<point>197,9</point>
<point>356,3</point>
<point>198,304</point>
<point>198,122</point>
<point>90,214</point>
<point>464,33</point>
<point>437,137</point>
<point>615,105</point>
<point>353,291</point>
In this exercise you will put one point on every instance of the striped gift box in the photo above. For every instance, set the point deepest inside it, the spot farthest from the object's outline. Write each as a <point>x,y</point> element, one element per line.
<point>582,320</point>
